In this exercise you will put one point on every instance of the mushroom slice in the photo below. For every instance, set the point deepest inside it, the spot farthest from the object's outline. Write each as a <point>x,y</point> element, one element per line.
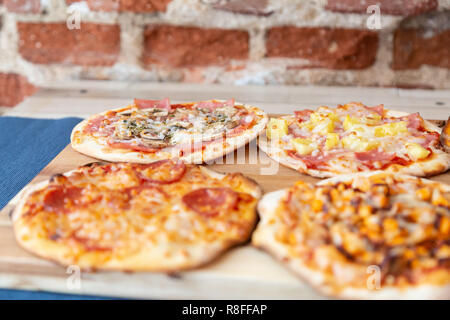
<point>128,112</point>
<point>156,143</point>
<point>151,135</point>
<point>181,124</point>
<point>122,131</point>
<point>232,124</point>
<point>153,139</point>
<point>155,112</point>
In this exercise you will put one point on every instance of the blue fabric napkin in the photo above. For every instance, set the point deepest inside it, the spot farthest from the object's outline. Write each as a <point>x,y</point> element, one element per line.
<point>26,147</point>
<point>42,295</point>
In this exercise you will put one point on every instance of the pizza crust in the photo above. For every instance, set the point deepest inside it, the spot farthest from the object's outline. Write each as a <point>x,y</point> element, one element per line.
<point>264,238</point>
<point>438,163</point>
<point>154,258</point>
<point>445,136</point>
<point>211,151</point>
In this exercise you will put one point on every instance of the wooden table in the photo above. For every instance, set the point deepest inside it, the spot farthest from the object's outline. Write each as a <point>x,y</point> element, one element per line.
<point>242,273</point>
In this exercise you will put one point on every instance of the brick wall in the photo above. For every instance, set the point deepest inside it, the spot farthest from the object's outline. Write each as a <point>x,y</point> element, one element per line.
<point>298,42</point>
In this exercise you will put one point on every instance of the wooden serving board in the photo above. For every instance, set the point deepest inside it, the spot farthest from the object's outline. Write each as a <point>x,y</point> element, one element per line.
<point>242,273</point>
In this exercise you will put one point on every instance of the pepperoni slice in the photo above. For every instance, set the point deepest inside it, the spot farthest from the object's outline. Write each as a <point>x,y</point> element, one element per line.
<point>59,197</point>
<point>162,172</point>
<point>210,202</point>
<point>146,104</point>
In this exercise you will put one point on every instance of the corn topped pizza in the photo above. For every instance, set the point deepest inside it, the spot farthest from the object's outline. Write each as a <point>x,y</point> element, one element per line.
<point>364,235</point>
<point>151,130</point>
<point>354,138</point>
<point>163,216</point>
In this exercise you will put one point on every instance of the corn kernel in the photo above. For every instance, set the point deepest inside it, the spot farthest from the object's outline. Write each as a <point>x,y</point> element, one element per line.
<point>424,193</point>
<point>316,205</point>
<point>408,254</point>
<point>365,210</point>
<point>390,224</point>
<point>444,226</point>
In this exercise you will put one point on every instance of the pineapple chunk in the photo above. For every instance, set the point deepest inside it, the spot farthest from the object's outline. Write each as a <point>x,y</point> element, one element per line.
<point>332,141</point>
<point>350,122</point>
<point>319,116</point>
<point>277,128</point>
<point>359,144</point>
<point>391,129</point>
<point>322,126</point>
<point>320,122</point>
<point>325,126</point>
<point>316,117</point>
<point>303,146</point>
<point>416,151</point>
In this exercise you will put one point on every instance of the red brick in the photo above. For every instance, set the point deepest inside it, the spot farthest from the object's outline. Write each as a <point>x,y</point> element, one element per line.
<point>189,46</point>
<point>23,6</point>
<point>13,89</point>
<point>251,7</point>
<point>137,6</point>
<point>416,47</point>
<point>92,45</point>
<point>394,7</point>
<point>324,47</point>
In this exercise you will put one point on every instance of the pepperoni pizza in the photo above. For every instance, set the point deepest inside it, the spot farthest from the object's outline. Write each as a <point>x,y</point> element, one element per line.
<point>150,130</point>
<point>163,216</point>
<point>353,138</point>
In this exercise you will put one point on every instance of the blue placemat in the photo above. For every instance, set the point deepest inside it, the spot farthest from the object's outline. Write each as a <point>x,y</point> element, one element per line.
<point>43,295</point>
<point>27,146</point>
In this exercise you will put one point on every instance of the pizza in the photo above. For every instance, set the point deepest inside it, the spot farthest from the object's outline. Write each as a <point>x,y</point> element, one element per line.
<point>354,138</point>
<point>365,235</point>
<point>151,130</point>
<point>445,136</point>
<point>163,216</point>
